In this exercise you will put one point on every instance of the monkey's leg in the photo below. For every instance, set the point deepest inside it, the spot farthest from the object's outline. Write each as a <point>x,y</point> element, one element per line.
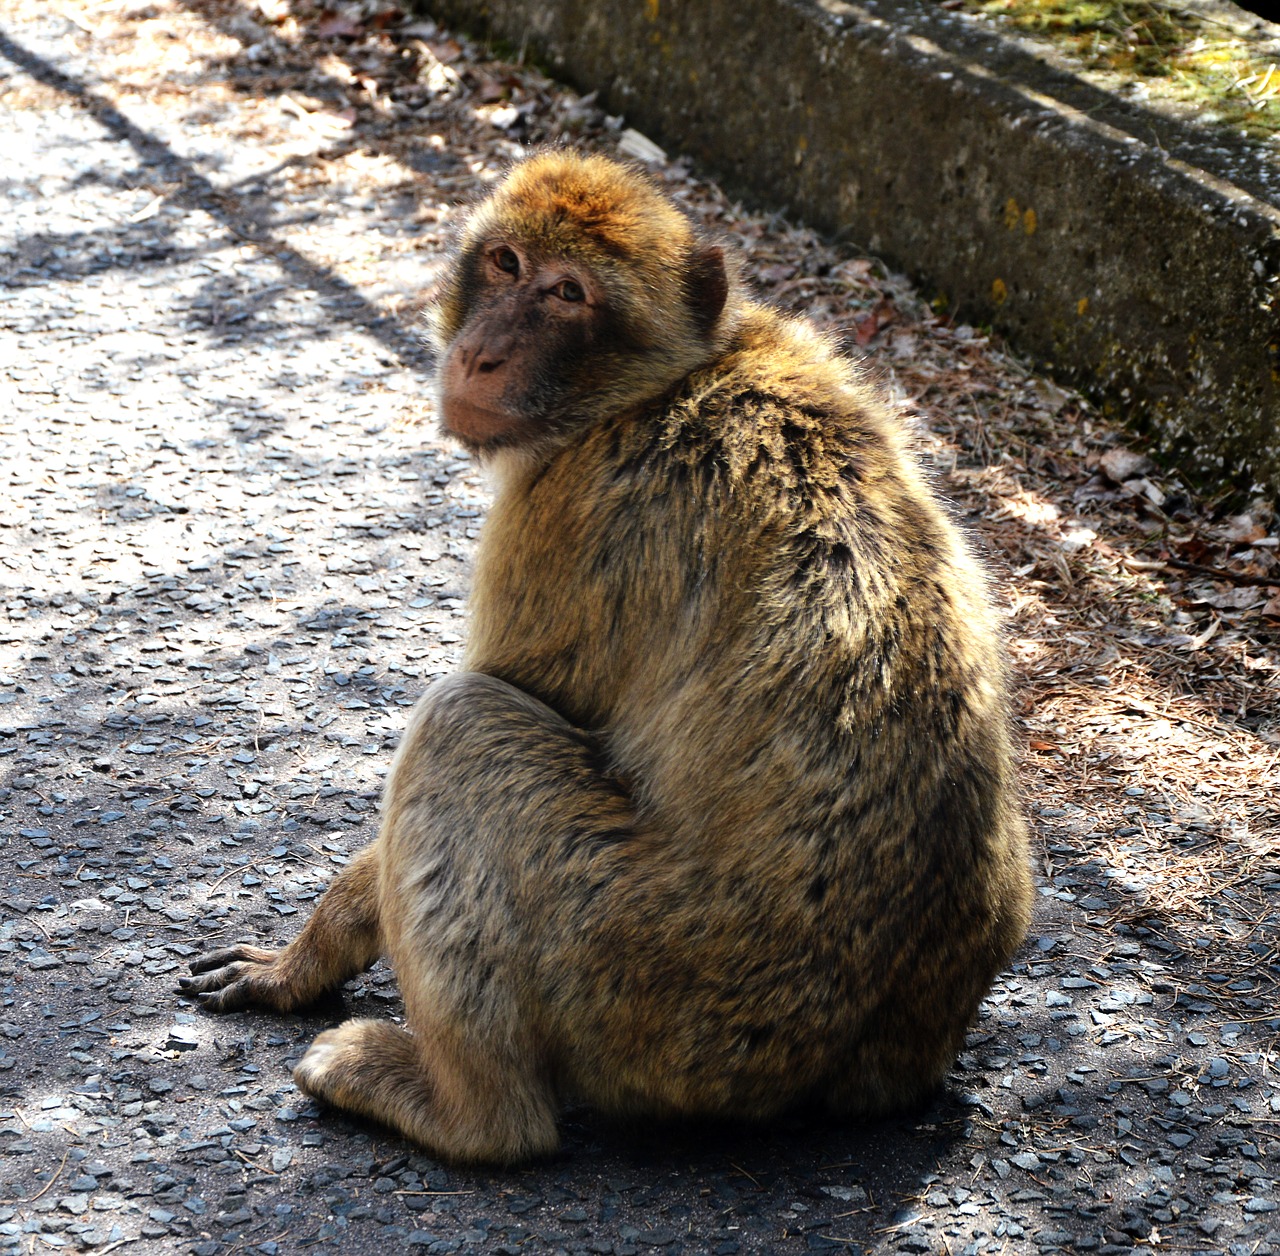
<point>342,938</point>
<point>443,1092</point>
<point>495,819</point>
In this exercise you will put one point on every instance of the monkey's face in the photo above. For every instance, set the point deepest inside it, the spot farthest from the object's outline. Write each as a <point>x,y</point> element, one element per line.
<point>579,292</point>
<point>510,373</point>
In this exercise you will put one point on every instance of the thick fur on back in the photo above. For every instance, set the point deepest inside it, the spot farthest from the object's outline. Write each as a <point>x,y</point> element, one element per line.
<point>752,594</point>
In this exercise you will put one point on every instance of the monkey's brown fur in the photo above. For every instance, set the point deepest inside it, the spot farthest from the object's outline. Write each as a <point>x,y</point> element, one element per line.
<point>720,817</point>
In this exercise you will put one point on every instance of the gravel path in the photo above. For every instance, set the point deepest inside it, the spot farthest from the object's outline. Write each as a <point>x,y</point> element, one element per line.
<point>233,555</point>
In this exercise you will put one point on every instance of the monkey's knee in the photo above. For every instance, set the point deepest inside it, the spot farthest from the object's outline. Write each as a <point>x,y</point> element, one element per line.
<point>458,708</point>
<point>469,740</point>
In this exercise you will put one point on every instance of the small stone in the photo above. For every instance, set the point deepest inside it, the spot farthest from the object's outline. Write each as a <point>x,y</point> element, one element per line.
<point>1055,1238</point>
<point>659,1236</point>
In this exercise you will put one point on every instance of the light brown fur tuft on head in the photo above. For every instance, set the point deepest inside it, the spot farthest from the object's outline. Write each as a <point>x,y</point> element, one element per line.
<point>592,206</point>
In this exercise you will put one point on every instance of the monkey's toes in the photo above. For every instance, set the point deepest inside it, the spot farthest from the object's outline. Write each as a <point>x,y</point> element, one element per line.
<point>213,978</point>
<point>223,990</point>
<point>233,998</point>
<point>228,955</point>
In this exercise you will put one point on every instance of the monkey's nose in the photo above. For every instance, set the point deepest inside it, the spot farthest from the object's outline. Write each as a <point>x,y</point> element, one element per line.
<point>483,354</point>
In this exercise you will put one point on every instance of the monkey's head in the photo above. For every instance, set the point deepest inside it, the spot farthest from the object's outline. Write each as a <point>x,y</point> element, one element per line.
<point>578,291</point>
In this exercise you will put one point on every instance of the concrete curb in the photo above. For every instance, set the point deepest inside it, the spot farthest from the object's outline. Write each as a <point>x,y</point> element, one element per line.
<point>1128,253</point>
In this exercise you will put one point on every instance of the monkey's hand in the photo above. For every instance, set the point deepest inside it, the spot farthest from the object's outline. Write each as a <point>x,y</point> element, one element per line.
<point>238,977</point>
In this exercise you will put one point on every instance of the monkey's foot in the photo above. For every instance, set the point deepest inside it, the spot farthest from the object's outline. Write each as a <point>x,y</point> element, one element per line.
<point>370,1067</point>
<point>378,1070</point>
<point>238,977</point>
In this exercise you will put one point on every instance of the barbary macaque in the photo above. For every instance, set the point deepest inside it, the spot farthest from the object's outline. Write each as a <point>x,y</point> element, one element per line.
<point>719,818</point>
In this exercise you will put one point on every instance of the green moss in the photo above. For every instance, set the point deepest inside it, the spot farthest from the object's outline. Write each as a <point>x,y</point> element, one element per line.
<point>1183,56</point>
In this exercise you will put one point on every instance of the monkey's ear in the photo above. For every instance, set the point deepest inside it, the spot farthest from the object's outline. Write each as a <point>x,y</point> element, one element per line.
<point>706,286</point>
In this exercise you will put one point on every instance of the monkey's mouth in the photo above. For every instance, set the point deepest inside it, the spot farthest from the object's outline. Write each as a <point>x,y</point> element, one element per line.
<point>476,425</point>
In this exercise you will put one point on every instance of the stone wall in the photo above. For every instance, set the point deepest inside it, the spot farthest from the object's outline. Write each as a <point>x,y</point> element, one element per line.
<point>1121,249</point>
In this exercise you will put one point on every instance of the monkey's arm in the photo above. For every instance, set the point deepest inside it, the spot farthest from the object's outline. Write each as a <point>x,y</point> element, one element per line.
<point>342,938</point>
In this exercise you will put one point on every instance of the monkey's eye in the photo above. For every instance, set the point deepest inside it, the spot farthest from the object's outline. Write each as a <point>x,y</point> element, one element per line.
<point>506,260</point>
<point>569,290</point>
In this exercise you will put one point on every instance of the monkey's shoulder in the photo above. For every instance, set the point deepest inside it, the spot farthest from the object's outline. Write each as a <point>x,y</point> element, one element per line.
<point>781,430</point>
<point>781,414</point>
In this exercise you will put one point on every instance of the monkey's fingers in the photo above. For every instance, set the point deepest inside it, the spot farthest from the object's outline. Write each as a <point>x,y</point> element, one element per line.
<point>233,998</point>
<point>214,979</point>
<point>234,986</point>
<point>228,955</point>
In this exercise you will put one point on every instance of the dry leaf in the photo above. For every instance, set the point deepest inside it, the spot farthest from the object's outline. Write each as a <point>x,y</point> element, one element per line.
<point>881,315</point>
<point>335,26</point>
<point>1240,529</point>
<point>1144,488</point>
<point>1121,464</point>
<point>1240,599</point>
<point>1053,396</point>
<point>1192,548</point>
<point>641,147</point>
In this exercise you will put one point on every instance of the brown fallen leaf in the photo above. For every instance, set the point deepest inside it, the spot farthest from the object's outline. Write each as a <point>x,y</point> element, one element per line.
<point>1191,548</point>
<point>445,50</point>
<point>881,315</point>
<point>335,26</point>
